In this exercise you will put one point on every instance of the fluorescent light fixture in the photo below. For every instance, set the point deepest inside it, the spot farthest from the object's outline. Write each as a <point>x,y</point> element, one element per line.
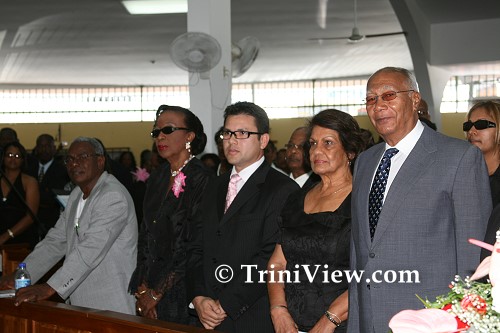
<point>137,7</point>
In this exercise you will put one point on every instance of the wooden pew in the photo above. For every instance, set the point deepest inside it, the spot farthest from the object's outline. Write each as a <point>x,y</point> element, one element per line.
<point>12,255</point>
<point>47,316</point>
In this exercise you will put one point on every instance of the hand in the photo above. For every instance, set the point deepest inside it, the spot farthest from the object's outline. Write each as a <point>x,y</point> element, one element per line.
<point>283,321</point>
<point>34,293</point>
<point>145,304</point>
<point>323,325</point>
<point>209,311</point>
<point>7,282</point>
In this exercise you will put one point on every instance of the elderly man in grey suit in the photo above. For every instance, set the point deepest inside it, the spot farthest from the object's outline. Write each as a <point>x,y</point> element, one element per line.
<point>416,200</point>
<point>97,233</point>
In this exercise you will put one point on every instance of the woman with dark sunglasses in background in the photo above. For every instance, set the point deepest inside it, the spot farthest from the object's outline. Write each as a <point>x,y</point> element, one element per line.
<point>16,221</point>
<point>483,130</point>
<point>172,198</point>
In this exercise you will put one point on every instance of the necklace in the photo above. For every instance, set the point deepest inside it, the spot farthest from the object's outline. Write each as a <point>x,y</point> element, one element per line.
<point>176,172</point>
<point>340,189</point>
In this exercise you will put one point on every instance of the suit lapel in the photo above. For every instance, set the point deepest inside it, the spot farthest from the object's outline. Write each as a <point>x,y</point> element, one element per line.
<point>221,194</point>
<point>420,159</point>
<point>251,187</point>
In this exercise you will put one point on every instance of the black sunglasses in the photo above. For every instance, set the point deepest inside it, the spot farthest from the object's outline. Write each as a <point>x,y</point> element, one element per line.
<point>478,124</point>
<point>166,130</point>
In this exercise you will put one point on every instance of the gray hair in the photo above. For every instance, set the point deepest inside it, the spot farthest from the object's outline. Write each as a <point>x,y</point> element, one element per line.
<point>98,148</point>
<point>411,80</point>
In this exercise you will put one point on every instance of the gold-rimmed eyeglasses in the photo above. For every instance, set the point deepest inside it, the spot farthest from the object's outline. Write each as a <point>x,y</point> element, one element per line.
<point>387,96</point>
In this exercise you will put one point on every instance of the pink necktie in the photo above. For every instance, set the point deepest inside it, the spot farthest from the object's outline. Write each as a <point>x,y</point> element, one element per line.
<point>232,190</point>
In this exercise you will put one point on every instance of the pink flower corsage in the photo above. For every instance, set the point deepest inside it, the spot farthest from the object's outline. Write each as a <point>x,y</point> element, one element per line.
<point>179,183</point>
<point>141,175</point>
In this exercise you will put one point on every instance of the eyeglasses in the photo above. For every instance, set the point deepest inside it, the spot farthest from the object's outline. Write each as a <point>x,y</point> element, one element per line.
<point>17,156</point>
<point>78,158</point>
<point>290,146</point>
<point>478,124</point>
<point>387,96</point>
<point>166,130</point>
<point>226,135</point>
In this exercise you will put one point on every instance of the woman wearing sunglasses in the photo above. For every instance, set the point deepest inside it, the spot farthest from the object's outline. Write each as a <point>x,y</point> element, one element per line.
<point>16,220</point>
<point>172,199</point>
<point>482,130</point>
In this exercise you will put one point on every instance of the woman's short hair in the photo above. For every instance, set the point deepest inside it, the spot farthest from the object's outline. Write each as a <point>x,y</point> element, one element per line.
<point>345,125</point>
<point>192,122</point>
<point>493,109</point>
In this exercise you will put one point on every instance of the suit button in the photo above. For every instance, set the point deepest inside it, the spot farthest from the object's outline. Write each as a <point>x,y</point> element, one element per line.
<point>368,286</point>
<point>214,260</point>
<point>372,255</point>
<point>219,233</point>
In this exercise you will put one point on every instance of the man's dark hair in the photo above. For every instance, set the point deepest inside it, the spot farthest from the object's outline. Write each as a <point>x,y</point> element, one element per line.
<point>249,109</point>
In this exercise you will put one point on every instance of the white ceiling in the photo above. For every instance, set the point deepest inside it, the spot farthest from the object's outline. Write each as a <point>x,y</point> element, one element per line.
<point>96,42</point>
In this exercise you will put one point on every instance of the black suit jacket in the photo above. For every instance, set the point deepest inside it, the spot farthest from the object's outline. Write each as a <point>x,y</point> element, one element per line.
<point>55,178</point>
<point>245,235</point>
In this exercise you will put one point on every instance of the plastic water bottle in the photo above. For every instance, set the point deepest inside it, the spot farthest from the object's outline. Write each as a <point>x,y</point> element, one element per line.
<point>22,277</point>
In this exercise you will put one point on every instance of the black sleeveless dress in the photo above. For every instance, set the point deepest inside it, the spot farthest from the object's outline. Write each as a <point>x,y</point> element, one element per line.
<point>316,240</point>
<point>12,210</point>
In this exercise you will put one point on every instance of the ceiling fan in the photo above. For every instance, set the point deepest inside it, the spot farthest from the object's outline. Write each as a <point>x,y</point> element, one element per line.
<point>355,36</point>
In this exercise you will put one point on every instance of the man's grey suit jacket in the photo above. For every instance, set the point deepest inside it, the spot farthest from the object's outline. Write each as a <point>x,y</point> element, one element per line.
<point>100,256</point>
<point>439,198</point>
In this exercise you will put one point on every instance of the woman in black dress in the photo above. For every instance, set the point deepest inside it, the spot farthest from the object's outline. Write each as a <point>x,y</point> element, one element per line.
<point>172,198</point>
<point>16,221</point>
<point>315,230</point>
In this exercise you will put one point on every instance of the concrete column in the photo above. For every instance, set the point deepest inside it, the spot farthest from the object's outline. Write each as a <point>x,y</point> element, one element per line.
<point>210,94</point>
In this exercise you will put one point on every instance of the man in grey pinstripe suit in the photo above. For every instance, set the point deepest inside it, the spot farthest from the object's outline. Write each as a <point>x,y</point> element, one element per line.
<point>97,234</point>
<point>432,202</point>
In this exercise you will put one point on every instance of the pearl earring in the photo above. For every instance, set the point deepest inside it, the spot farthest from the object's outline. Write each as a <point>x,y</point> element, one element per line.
<point>188,146</point>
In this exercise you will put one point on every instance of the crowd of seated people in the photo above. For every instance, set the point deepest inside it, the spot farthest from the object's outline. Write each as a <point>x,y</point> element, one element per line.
<point>222,242</point>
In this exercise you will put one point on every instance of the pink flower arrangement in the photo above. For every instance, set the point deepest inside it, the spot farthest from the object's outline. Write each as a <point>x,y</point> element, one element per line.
<point>423,321</point>
<point>141,175</point>
<point>179,183</point>
<point>469,306</point>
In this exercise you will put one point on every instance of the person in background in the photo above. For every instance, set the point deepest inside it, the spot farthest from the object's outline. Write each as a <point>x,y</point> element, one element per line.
<point>140,178</point>
<point>127,160</point>
<point>414,198</point>
<point>146,156</point>
<point>315,230</point>
<point>482,129</point>
<point>172,199</point>
<point>51,175</point>
<point>423,114</point>
<point>297,161</point>
<point>97,235</point>
<point>211,161</point>
<point>7,135</point>
<point>224,165</point>
<point>270,154</point>
<point>281,160</point>
<point>367,137</point>
<point>20,198</point>
<point>116,169</point>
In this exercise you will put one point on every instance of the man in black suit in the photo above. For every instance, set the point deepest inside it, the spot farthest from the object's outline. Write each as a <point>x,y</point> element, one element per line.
<point>51,175</point>
<point>298,161</point>
<point>238,232</point>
